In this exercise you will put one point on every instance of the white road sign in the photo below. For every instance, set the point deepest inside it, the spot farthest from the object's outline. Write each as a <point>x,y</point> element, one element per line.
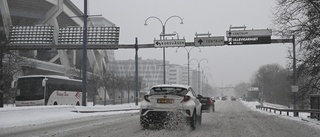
<point>209,41</point>
<point>170,43</point>
<point>294,88</point>
<point>249,33</point>
<point>253,89</point>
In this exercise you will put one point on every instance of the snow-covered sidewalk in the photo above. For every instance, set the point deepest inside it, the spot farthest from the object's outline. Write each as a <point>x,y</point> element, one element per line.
<point>19,116</point>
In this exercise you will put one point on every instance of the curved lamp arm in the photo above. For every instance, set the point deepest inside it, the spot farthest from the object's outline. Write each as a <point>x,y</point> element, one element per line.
<point>174,16</point>
<point>154,17</point>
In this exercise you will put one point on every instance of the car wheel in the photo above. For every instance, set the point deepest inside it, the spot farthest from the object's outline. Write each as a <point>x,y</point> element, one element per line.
<point>144,122</point>
<point>193,120</point>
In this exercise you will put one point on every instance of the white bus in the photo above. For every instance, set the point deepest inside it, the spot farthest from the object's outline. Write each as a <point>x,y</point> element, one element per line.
<point>35,90</point>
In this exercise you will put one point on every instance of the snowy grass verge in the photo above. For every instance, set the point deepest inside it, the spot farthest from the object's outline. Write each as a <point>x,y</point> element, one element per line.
<point>302,116</point>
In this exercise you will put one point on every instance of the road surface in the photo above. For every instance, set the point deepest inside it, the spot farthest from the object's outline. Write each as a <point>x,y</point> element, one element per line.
<point>231,119</point>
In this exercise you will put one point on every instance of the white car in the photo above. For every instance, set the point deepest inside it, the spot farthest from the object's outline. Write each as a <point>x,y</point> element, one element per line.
<point>163,100</point>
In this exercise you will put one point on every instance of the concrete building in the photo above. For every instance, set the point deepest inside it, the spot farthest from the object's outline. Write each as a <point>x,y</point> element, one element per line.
<point>151,71</point>
<point>56,14</point>
<point>178,74</point>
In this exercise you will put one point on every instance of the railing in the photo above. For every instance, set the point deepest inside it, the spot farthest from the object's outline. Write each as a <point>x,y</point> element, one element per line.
<point>314,113</point>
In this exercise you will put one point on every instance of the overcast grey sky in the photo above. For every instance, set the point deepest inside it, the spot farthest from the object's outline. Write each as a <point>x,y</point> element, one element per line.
<point>228,64</point>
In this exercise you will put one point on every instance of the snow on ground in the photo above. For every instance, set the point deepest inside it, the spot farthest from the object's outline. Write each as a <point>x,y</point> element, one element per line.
<point>19,116</point>
<point>303,117</point>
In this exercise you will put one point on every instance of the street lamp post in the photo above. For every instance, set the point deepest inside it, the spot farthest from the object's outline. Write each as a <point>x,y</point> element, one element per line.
<point>202,77</point>
<point>199,70</point>
<point>207,81</point>
<point>163,37</point>
<point>84,55</point>
<point>188,57</point>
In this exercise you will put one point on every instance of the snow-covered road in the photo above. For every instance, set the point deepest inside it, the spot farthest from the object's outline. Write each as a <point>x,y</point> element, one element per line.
<point>231,119</point>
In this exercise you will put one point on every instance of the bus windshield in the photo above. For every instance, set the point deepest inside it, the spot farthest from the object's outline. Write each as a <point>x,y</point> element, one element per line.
<point>29,89</point>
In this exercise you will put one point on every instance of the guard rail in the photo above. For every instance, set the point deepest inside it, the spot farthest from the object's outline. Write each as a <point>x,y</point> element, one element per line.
<point>314,113</point>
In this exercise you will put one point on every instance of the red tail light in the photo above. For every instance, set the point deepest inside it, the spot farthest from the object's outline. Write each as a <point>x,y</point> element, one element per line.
<point>186,98</point>
<point>210,101</point>
<point>146,97</point>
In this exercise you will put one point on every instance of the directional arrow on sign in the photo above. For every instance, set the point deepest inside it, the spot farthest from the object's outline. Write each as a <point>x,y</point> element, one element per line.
<point>158,43</point>
<point>200,41</point>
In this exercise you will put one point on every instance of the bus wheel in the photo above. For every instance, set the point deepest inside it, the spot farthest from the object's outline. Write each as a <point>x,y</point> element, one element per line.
<point>55,103</point>
<point>78,104</point>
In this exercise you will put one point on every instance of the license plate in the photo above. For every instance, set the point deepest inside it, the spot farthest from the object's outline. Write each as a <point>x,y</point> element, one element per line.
<point>164,100</point>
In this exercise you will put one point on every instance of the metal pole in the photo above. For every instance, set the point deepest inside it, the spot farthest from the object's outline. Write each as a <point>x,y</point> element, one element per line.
<point>295,114</point>
<point>2,50</point>
<point>188,67</point>
<point>84,56</point>
<point>202,77</point>
<point>136,71</point>
<point>164,55</point>
<point>199,77</point>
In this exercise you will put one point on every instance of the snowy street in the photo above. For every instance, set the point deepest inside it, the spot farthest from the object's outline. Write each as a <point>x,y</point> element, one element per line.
<point>232,118</point>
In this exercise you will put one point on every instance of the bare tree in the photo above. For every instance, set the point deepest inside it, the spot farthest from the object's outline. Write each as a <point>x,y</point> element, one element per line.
<point>10,64</point>
<point>302,19</point>
<point>129,84</point>
<point>274,81</point>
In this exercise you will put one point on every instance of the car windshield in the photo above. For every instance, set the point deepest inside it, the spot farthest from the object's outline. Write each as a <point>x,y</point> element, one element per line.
<point>204,99</point>
<point>168,90</point>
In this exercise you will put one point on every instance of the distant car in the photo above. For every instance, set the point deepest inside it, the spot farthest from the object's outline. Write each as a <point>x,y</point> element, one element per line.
<point>207,103</point>
<point>233,98</point>
<point>224,98</point>
<point>162,101</point>
<point>216,98</point>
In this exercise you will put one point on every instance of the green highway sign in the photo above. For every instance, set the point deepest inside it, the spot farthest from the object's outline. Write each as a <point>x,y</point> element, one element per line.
<point>249,40</point>
<point>209,41</point>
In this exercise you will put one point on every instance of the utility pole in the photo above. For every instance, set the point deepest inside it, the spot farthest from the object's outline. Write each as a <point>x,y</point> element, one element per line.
<point>136,72</point>
<point>84,55</point>
<point>295,114</point>
<point>1,72</point>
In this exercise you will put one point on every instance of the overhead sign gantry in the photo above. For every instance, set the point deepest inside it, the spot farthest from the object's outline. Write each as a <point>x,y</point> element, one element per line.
<point>108,38</point>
